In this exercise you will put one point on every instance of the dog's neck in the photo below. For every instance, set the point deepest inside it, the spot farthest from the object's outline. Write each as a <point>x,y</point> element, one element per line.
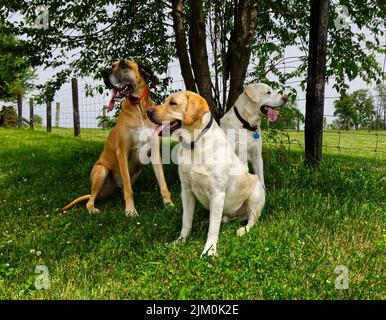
<point>140,109</point>
<point>196,127</point>
<point>248,110</point>
<point>143,96</point>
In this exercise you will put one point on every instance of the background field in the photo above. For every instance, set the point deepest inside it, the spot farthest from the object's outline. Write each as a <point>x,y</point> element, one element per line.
<point>312,222</point>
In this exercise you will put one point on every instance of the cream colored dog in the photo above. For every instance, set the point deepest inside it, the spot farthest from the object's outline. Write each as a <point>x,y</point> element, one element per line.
<point>209,169</point>
<point>257,100</point>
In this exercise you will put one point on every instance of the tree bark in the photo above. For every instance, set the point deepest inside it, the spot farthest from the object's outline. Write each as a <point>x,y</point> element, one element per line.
<point>31,113</point>
<point>19,111</point>
<point>239,50</point>
<point>313,133</point>
<point>75,106</point>
<point>199,54</point>
<point>181,47</point>
<point>49,116</point>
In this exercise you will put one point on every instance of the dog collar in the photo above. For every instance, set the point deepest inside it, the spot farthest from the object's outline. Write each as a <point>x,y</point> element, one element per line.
<point>190,145</point>
<point>245,123</point>
<point>135,100</point>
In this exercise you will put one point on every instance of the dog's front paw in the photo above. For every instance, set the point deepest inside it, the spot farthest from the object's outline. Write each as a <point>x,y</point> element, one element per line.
<point>180,239</point>
<point>168,203</point>
<point>209,250</point>
<point>131,213</point>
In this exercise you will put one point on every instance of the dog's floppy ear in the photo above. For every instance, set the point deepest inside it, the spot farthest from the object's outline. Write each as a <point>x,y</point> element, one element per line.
<point>252,92</point>
<point>148,74</point>
<point>195,109</point>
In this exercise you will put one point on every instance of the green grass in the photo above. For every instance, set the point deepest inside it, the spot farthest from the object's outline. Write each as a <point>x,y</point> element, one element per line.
<point>348,143</point>
<point>312,222</point>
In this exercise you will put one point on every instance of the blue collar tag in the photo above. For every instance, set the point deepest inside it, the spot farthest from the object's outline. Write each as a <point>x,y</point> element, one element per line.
<point>256,135</point>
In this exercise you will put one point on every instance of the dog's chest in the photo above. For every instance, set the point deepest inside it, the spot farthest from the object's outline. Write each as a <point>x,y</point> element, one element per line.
<point>140,144</point>
<point>199,180</point>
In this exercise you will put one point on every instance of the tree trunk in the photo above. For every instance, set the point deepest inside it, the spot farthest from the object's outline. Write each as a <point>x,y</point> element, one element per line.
<point>75,106</point>
<point>199,54</point>
<point>239,50</point>
<point>19,111</point>
<point>313,133</point>
<point>49,116</point>
<point>31,113</point>
<point>181,47</point>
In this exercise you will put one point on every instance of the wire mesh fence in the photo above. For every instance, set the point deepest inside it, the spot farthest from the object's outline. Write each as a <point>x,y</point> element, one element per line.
<point>289,133</point>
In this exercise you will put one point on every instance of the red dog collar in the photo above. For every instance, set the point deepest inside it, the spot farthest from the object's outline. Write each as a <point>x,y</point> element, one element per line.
<point>135,100</point>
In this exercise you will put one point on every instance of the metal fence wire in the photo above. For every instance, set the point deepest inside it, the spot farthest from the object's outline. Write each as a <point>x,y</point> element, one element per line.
<point>61,111</point>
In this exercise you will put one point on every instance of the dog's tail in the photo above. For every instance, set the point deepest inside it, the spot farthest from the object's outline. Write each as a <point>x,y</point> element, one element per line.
<point>73,203</point>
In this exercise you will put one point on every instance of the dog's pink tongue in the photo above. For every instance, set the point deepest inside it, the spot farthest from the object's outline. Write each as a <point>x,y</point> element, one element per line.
<point>272,114</point>
<point>111,104</point>
<point>159,129</point>
<point>112,101</point>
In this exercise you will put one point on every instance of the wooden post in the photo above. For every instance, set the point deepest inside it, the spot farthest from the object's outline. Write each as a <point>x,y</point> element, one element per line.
<point>104,116</point>
<point>49,117</point>
<point>57,115</point>
<point>75,105</point>
<point>19,111</point>
<point>313,133</point>
<point>31,113</point>
<point>4,117</point>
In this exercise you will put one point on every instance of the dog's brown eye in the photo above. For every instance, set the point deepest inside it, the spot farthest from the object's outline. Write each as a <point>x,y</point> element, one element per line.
<point>269,92</point>
<point>172,103</point>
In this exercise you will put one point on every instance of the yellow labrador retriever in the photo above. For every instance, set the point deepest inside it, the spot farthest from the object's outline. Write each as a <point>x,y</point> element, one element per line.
<point>208,167</point>
<point>257,100</point>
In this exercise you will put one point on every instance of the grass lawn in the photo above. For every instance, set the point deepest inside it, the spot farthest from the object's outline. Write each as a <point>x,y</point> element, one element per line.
<point>312,222</point>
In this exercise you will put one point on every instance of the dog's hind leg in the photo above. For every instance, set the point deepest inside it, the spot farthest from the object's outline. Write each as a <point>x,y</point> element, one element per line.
<point>98,177</point>
<point>255,204</point>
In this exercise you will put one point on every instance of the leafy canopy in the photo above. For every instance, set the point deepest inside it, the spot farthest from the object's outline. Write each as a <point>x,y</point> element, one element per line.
<point>82,37</point>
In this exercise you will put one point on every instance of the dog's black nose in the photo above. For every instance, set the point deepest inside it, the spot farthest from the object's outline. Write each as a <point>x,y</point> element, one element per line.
<point>285,98</point>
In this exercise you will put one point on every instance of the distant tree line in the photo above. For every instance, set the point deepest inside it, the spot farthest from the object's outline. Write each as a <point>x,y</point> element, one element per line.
<point>360,110</point>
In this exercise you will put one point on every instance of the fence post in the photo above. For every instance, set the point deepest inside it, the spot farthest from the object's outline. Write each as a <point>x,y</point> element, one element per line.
<point>31,113</point>
<point>104,116</point>
<point>4,117</point>
<point>75,105</point>
<point>57,115</point>
<point>19,111</point>
<point>49,117</point>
